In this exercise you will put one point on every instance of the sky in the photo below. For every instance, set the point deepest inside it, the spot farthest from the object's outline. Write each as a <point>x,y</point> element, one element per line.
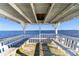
<point>8,25</point>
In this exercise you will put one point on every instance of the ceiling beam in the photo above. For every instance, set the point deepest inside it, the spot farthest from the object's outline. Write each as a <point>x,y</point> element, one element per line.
<point>4,13</point>
<point>19,11</point>
<point>50,9</point>
<point>33,9</point>
<point>71,16</point>
<point>70,7</point>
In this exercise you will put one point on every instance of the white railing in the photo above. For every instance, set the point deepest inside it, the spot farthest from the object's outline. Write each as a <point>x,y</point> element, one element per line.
<point>70,42</point>
<point>69,37</point>
<point>6,40</point>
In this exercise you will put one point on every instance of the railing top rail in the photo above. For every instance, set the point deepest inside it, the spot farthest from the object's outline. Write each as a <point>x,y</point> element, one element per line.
<point>10,38</point>
<point>70,37</point>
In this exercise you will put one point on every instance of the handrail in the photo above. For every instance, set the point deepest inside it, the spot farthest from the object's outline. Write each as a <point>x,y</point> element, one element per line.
<point>69,37</point>
<point>53,36</point>
<point>11,38</point>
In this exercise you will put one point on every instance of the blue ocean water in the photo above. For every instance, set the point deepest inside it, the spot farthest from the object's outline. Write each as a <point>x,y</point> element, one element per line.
<point>5,34</point>
<point>72,33</point>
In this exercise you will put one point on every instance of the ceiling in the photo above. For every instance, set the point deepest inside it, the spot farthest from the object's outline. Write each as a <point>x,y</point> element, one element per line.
<point>39,12</point>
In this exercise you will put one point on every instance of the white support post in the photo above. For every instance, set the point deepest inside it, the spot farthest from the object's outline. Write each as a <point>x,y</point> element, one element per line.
<point>24,30</point>
<point>23,26</point>
<point>56,29</point>
<point>40,39</point>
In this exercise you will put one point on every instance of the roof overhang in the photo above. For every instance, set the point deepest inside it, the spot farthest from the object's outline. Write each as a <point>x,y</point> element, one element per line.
<point>31,12</point>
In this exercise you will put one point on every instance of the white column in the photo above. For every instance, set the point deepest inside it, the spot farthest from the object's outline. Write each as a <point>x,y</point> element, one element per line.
<point>56,29</point>
<point>24,30</point>
<point>23,26</point>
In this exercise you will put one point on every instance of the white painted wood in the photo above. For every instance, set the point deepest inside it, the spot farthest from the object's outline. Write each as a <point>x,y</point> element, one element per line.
<point>33,9</point>
<point>10,16</point>
<point>63,13</point>
<point>20,12</point>
<point>49,12</point>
